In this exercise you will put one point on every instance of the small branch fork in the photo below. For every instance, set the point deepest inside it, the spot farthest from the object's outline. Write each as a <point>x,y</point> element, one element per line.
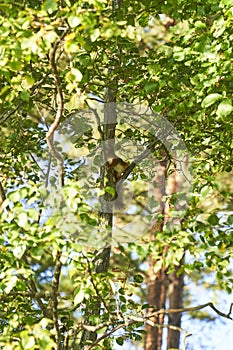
<point>146,319</point>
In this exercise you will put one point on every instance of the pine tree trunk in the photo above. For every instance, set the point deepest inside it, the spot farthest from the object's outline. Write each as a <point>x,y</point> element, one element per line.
<point>156,282</point>
<point>176,279</point>
<point>175,295</point>
<point>161,287</point>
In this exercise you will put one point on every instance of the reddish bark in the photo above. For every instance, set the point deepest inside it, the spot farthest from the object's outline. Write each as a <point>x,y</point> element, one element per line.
<point>156,297</point>
<point>156,282</point>
<point>175,295</point>
<point>161,286</point>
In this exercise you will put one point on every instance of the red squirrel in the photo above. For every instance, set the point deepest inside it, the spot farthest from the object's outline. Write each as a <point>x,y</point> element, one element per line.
<point>119,166</point>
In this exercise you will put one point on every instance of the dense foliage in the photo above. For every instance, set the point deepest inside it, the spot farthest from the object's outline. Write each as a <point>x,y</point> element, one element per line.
<point>58,58</point>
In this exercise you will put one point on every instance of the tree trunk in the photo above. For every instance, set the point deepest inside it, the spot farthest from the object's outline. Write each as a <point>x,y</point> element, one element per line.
<point>156,297</point>
<point>162,287</point>
<point>175,290</point>
<point>102,259</point>
<point>156,282</point>
<point>175,295</point>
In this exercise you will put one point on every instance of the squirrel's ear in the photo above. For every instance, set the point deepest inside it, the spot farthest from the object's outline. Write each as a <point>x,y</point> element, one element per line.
<point>111,162</point>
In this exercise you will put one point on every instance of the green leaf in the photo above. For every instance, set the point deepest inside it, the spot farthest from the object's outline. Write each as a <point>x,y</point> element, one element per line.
<point>95,34</point>
<point>50,6</point>
<point>74,21</point>
<point>158,266</point>
<point>22,220</point>
<point>122,298</point>
<point>178,54</point>
<point>14,196</point>
<point>10,284</point>
<point>226,3</point>
<point>224,108</point>
<point>25,95</point>
<point>28,82</point>
<point>74,75</point>
<point>29,43</point>
<point>18,251</point>
<point>205,191</point>
<point>50,36</point>
<point>150,87</point>
<point>200,25</point>
<point>28,342</point>
<point>79,297</point>
<point>110,190</point>
<point>77,74</point>
<point>138,278</point>
<point>120,341</point>
<point>33,214</point>
<point>213,219</point>
<point>230,219</point>
<point>210,99</point>
<point>219,27</point>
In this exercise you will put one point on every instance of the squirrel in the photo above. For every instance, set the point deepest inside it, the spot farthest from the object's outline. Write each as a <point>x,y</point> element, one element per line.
<point>119,166</point>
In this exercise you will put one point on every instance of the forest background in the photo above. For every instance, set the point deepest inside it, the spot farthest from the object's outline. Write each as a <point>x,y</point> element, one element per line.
<point>116,165</point>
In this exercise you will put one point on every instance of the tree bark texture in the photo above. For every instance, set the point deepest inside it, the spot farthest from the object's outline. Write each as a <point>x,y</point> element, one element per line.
<point>175,296</point>
<point>163,288</point>
<point>156,282</point>
<point>176,279</point>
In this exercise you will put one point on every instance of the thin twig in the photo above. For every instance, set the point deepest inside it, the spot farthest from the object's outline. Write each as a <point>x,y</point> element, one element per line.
<point>35,161</point>
<point>55,287</point>
<point>37,297</point>
<point>97,118</point>
<point>156,313</point>
<point>9,114</point>
<point>139,159</point>
<point>193,308</point>
<point>41,294</point>
<point>2,194</point>
<point>96,99</point>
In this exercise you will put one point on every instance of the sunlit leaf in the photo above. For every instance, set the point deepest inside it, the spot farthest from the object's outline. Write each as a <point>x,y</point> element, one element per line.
<point>19,250</point>
<point>224,108</point>
<point>210,99</point>
<point>74,21</point>
<point>50,6</point>
<point>79,297</point>
<point>22,220</point>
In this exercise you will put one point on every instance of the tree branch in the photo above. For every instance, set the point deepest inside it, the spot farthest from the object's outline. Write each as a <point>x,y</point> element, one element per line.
<point>194,308</point>
<point>60,107</point>
<point>55,287</point>
<point>36,295</point>
<point>2,195</point>
<point>156,313</point>
<point>59,158</point>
